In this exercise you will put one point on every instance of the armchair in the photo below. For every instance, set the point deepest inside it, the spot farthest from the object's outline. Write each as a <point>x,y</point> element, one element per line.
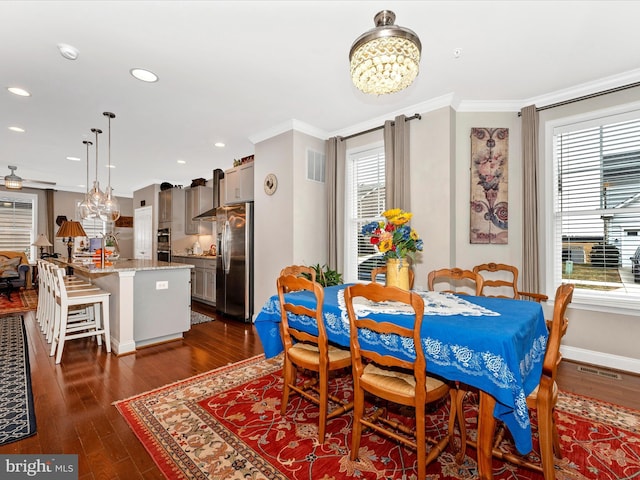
<point>14,271</point>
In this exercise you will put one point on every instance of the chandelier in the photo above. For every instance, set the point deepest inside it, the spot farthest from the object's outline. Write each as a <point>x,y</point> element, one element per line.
<point>386,58</point>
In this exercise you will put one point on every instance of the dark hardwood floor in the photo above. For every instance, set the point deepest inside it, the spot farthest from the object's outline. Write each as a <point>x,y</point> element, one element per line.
<point>73,400</point>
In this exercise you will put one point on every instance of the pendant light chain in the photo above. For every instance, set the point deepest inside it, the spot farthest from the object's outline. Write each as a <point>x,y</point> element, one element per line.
<point>110,211</point>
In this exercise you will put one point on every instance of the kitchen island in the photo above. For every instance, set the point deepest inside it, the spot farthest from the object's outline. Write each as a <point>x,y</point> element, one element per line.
<point>150,300</point>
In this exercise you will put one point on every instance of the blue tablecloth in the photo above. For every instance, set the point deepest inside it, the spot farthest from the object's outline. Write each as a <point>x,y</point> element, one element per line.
<point>496,345</point>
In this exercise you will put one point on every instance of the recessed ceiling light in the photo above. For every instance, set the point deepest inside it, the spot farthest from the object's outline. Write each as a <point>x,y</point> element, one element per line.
<point>219,144</point>
<point>144,75</point>
<point>17,129</point>
<point>19,91</point>
<point>68,52</point>
<point>110,166</point>
<point>182,162</point>
<point>73,159</point>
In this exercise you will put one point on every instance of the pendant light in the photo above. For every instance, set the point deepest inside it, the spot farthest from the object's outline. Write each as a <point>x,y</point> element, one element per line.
<point>110,210</point>
<point>85,208</point>
<point>96,197</point>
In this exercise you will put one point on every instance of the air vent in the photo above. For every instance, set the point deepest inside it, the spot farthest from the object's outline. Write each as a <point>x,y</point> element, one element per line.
<point>600,372</point>
<point>316,166</point>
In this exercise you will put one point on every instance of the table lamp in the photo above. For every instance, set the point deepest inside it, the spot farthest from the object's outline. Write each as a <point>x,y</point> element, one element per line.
<point>42,241</point>
<point>70,229</point>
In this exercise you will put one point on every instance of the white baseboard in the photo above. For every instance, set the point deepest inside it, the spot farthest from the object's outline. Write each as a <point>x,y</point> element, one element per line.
<point>607,360</point>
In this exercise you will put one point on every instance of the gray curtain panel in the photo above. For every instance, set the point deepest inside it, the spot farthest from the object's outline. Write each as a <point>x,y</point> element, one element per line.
<point>530,248</point>
<point>336,157</point>
<point>396,152</point>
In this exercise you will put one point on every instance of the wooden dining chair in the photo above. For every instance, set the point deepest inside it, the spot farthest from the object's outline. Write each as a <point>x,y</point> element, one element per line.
<point>299,270</point>
<point>383,271</point>
<point>311,352</point>
<point>395,379</point>
<point>455,277</point>
<point>543,399</point>
<point>501,280</point>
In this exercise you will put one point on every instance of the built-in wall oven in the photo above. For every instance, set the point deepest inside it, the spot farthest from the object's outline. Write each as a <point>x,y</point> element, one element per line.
<point>164,244</point>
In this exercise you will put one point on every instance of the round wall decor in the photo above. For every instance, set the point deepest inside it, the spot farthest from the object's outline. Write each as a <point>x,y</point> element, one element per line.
<point>270,184</point>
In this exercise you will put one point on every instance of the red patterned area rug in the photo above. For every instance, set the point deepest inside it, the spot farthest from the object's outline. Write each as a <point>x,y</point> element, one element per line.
<point>226,424</point>
<point>24,300</point>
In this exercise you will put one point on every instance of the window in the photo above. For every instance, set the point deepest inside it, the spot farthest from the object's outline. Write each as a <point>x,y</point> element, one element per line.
<point>597,208</point>
<point>365,202</point>
<point>18,222</point>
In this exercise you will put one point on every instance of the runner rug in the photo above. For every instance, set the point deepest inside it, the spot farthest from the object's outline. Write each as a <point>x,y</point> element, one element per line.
<point>226,424</point>
<point>17,416</point>
<point>22,301</point>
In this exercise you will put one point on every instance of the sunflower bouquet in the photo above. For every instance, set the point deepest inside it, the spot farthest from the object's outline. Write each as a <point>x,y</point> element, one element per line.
<point>393,237</point>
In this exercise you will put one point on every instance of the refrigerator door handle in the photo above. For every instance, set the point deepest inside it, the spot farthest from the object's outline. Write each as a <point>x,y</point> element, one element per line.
<point>226,234</point>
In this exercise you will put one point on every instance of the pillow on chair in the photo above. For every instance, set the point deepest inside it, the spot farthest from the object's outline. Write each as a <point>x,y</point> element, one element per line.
<point>9,267</point>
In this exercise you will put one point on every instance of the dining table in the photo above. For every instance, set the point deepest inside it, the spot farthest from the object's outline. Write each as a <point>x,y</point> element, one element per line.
<point>496,345</point>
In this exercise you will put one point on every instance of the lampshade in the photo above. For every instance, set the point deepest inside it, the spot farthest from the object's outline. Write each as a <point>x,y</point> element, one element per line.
<point>42,241</point>
<point>13,181</point>
<point>385,59</point>
<point>71,229</point>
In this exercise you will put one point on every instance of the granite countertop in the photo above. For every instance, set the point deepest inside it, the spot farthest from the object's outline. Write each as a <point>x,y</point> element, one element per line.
<point>125,265</point>
<point>191,255</point>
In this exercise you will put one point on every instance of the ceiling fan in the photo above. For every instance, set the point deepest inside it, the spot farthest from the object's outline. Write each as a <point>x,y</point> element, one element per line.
<point>14,182</point>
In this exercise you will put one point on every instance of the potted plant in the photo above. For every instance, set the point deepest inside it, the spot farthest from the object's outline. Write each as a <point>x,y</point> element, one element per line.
<point>326,276</point>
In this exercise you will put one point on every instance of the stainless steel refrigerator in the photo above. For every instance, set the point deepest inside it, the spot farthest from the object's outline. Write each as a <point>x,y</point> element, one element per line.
<point>234,271</point>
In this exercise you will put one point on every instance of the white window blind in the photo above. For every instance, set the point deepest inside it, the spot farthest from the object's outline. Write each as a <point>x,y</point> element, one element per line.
<point>597,207</point>
<point>365,203</point>
<point>17,222</point>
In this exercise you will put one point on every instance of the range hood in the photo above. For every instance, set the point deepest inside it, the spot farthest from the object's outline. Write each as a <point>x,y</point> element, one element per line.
<point>210,215</point>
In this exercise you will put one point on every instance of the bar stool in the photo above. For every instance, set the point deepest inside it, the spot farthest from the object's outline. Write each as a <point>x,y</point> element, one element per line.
<point>95,324</point>
<point>49,296</point>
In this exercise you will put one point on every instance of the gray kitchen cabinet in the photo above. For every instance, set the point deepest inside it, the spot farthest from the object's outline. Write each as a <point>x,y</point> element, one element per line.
<point>171,209</point>
<point>198,200</point>
<point>239,184</point>
<point>203,277</point>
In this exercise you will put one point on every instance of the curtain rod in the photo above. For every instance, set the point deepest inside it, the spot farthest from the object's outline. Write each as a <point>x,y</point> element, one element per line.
<point>416,116</point>
<point>586,97</point>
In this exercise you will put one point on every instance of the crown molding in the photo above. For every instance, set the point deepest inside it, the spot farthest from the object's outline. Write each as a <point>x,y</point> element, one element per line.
<point>292,124</point>
<point>588,88</point>
<point>451,100</point>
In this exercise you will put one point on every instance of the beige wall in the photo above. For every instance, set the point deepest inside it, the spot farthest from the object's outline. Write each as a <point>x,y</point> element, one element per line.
<point>273,224</point>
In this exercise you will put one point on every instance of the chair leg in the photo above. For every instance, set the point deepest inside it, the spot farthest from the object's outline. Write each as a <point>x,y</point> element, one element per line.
<point>358,413</point>
<point>105,325</point>
<point>64,312</point>
<point>324,404</point>
<point>545,431</point>
<point>421,442</point>
<point>556,438</point>
<point>288,375</point>
<point>460,395</point>
<point>53,332</point>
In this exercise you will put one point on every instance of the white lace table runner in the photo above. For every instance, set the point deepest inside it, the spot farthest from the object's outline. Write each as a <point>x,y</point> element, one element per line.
<point>435,303</point>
